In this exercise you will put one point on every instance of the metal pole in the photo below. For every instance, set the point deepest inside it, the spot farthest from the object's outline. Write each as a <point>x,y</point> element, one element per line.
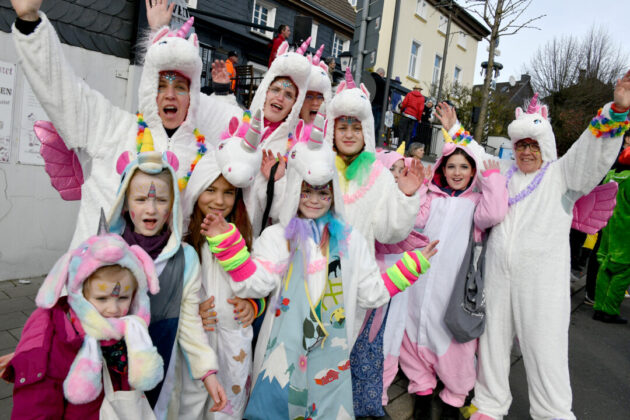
<point>390,65</point>
<point>361,46</point>
<point>448,30</point>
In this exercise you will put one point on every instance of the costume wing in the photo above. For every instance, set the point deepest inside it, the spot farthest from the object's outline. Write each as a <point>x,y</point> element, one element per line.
<point>592,211</point>
<point>61,164</point>
<point>415,240</point>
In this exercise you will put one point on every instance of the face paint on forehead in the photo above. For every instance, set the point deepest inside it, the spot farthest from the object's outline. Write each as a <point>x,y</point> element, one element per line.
<point>151,193</point>
<point>347,119</point>
<point>284,83</point>
<point>317,187</point>
<point>170,76</point>
<point>116,291</point>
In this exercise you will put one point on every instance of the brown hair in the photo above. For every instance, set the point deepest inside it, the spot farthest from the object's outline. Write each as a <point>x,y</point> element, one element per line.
<point>105,272</point>
<point>442,167</point>
<point>165,175</point>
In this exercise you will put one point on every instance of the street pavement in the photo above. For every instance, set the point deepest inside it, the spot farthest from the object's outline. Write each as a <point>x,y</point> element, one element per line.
<point>599,360</point>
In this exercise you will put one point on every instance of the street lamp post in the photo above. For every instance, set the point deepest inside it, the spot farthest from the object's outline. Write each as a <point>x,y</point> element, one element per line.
<point>345,59</point>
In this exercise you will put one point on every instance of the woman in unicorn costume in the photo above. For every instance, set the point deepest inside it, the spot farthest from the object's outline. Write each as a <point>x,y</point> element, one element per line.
<point>318,272</point>
<point>97,130</point>
<point>526,278</point>
<point>319,90</point>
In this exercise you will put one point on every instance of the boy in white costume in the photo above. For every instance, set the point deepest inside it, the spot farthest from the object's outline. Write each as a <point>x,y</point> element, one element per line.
<point>527,260</point>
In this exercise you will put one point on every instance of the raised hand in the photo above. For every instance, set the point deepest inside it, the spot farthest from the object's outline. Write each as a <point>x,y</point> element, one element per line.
<point>243,311</point>
<point>622,92</point>
<point>430,250</point>
<point>208,315</point>
<point>411,178</point>
<point>268,160</point>
<point>490,164</point>
<point>27,9</point>
<point>213,225</point>
<point>428,171</point>
<point>446,114</point>
<point>159,13</point>
<point>216,391</point>
<point>219,72</point>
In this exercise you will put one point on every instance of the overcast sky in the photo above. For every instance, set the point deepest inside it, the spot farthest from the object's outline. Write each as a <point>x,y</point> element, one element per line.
<point>563,17</point>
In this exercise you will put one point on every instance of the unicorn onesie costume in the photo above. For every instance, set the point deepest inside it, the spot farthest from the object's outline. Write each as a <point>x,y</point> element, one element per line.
<point>527,263</point>
<point>301,363</point>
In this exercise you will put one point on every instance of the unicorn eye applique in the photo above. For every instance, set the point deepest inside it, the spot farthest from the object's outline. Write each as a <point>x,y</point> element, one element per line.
<point>537,121</point>
<point>221,145</point>
<point>162,42</point>
<point>293,154</point>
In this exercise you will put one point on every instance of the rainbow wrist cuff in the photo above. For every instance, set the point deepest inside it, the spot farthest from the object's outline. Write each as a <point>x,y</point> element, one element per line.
<point>602,126</point>
<point>259,306</point>
<point>405,272</point>
<point>231,251</point>
<point>462,137</point>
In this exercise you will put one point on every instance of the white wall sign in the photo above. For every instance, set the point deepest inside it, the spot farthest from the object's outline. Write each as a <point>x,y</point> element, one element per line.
<point>7,93</point>
<point>28,151</point>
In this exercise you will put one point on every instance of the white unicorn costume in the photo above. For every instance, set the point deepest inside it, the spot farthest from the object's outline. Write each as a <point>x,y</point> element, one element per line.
<point>318,80</point>
<point>98,131</point>
<point>527,264</point>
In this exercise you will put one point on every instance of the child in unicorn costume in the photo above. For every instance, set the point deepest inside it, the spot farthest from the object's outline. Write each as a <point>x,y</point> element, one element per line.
<point>526,279</point>
<point>319,272</point>
<point>58,364</point>
<point>319,90</point>
<point>97,130</point>
<point>175,327</point>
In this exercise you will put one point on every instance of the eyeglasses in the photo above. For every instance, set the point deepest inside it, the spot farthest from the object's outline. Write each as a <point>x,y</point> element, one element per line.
<point>521,146</point>
<point>311,97</point>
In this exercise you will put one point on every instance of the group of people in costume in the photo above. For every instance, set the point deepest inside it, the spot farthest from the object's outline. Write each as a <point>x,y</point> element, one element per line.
<point>214,217</point>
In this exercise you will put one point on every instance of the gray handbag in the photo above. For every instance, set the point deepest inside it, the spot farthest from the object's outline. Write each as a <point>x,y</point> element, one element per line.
<point>466,312</point>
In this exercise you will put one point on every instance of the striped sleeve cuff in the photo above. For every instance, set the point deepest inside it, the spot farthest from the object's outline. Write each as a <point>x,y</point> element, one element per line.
<point>231,252</point>
<point>405,272</point>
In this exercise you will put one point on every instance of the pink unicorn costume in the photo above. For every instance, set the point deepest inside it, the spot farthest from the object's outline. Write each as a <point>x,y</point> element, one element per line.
<point>98,131</point>
<point>527,264</point>
<point>61,325</point>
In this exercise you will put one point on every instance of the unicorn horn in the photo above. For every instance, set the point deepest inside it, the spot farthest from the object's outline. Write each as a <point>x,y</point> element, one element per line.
<point>349,80</point>
<point>533,105</point>
<point>147,141</point>
<point>447,138</point>
<point>318,55</point>
<point>185,28</point>
<point>252,138</point>
<point>401,149</point>
<point>103,228</point>
<point>317,132</point>
<point>304,46</point>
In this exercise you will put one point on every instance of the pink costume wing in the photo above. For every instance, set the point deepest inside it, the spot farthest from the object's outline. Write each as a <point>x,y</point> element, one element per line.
<point>61,164</point>
<point>592,211</point>
<point>415,240</point>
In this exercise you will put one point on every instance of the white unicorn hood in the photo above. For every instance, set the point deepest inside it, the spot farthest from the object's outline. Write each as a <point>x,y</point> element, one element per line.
<point>352,101</point>
<point>318,80</point>
<point>534,124</point>
<point>312,160</point>
<point>296,67</point>
<point>170,51</point>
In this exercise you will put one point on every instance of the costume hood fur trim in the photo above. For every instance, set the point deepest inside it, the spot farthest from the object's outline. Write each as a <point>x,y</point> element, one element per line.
<point>534,124</point>
<point>447,150</point>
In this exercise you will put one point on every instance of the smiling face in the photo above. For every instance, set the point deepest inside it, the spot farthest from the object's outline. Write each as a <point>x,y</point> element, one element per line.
<point>149,202</point>
<point>218,198</point>
<point>348,136</point>
<point>281,97</point>
<point>173,98</point>
<point>110,290</point>
<point>528,155</point>
<point>312,102</point>
<point>458,171</point>
<point>315,201</point>
<point>397,168</point>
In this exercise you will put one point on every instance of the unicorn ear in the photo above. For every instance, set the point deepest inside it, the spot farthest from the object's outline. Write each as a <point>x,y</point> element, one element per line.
<point>172,160</point>
<point>518,112</point>
<point>341,86</point>
<point>298,129</point>
<point>52,286</point>
<point>122,162</point>
<point>323,65</point>
<point>364,89</point>
<point>194,40</point>
<point>234,122</point>
<point>153,284</point>
<point>544,111</point>
<point>160,34</point>
<point>284,47</point>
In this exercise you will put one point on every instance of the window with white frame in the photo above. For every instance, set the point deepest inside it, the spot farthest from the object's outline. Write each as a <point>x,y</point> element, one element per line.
<point>353,3</point>
<point>442,24</point>
<point>462,39</point>
<point>205,52</point>
<point>421,9</point>
<point>437,66</point>
<point>314,35</point>
<point>263,14</point>
<point>457,75</point>
<point>340,44</point>
<point>414,60</point>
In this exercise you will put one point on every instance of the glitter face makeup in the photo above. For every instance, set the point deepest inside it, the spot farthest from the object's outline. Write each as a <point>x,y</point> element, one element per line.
<point>348,136</point>
<point>149,200</point>
<point>315,200</point>
<point>151,193</point>
<point>173,98</point>
<point>279,100</point>
<point>110,292</point>
<point>116,290</point>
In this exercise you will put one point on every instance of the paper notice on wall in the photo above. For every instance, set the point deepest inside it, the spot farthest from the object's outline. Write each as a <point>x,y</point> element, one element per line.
<point>7,93</point>
<point>28,150</point>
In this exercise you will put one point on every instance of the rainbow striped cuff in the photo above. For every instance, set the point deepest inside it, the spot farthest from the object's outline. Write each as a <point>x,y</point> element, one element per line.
<point>608,127</point>
<point>259,306</point>
<point>231,251</point>
<point>462,137</point>
<point>405,272</point>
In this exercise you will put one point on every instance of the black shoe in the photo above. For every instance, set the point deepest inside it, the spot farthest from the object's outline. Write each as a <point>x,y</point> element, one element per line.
<point>422,407</point>
<point>597,315</point>
<point>613,319</point>
<point>449,412</point>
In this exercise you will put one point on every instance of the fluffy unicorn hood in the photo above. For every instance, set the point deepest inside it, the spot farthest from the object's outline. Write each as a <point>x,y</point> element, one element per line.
<point>296,67</point>
<point>170,51</point>
<point>448,149</point>
<point>318,80</point>
<point>352,101</point>
<point>534,124</point>
<point>389,157</point>
<point>149,162</point>
<point>312,160</point>
<point>237,157</point>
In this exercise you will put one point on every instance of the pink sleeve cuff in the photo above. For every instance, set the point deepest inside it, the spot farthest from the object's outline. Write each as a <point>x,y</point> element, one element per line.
<point>389,285</point>
<point>210,372</point>
<point>243,271</point>
<point>490,172</point>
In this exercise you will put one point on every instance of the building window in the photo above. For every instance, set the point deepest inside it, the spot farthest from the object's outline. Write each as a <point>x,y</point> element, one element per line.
<point>461,40</point>
<point>340,44</point>
<point>205,52</point>
<point>414,60</point>
<point>314,35</point>
<point>437,66</point>
<point>457,75</point>
<point>263,14</point>
<point>442,24</point>
<point>421,9</point>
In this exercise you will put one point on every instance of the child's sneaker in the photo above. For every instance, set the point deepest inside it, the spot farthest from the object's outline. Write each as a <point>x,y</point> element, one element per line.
<point>627,295</point>
<point>588,301</point>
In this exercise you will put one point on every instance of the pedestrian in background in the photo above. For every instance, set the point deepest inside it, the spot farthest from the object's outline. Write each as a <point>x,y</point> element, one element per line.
<point>411,109</point>
<point>284,32</point>
<point>232,60</point>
